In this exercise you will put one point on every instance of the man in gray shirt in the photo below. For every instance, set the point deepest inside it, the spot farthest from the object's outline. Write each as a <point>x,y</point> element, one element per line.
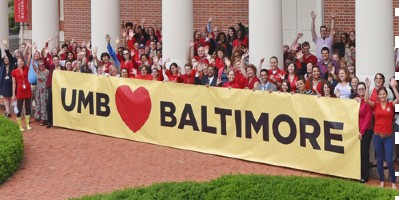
<point>264,84</point>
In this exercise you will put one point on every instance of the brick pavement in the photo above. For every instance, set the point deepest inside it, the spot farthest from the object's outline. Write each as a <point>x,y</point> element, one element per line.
<point>60,163</point>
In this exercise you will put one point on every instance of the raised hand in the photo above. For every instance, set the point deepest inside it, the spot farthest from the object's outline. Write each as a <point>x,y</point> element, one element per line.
<point>124,33</point>
<point>131,34</point>
<point>132,53</point>
<point>167,60</point>
<point>210,19</point>
<point>88,44</point>
<point>4,42</point>
<point>313,15</point>
<point>333,15</point>
<point>368,82</point>
<point>393,83</point>
<point>95,49</point>
<point>192,43</point>
<point>227,62</point>
<point>35,46</point>
<point>245,55</point>
<point>83,43</point>
<point>262,60</point>
<point>143,20</point>
<point>108,38</point>
<point>117,40</point>
<point>48,40</point>
<point>299,35</point>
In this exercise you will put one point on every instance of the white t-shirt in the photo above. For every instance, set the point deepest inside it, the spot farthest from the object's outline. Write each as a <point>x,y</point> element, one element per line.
<point>345,91</point>
<point>320,43</point>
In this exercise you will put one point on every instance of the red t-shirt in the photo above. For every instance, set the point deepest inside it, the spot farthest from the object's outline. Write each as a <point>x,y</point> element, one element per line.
<point>383,118</point>
<point>146,77</point>
<point>310,59</point>
<point>292,82</point>
<point>231,85</point>
<point>172,77</point>
<point>250,83</point>
<point>188,78</point>
<point>23,87</point>
<point>240,79</point>
<point>276,74</point>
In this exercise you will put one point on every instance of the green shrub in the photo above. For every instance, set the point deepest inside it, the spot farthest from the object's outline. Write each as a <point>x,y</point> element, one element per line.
<point>255,187</point>
<point>11,148</point>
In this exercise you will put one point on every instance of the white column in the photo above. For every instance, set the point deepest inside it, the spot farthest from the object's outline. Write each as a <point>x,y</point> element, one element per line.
<point>374,39</point>
<point>177,29</point>
<point>266,32</point>
<point>105,19</point>
<point>45,21</point>
<point>4,21</point>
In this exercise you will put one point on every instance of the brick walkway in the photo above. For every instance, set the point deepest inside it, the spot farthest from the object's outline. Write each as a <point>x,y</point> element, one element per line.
<point>60,163</point>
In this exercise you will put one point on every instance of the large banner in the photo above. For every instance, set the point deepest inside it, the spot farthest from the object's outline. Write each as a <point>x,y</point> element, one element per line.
<point>21,10</point>
<point>296,131</point>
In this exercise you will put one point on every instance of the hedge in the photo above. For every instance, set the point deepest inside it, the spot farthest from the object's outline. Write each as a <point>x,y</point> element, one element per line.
<point>255,187</point>
<point>11,148</point>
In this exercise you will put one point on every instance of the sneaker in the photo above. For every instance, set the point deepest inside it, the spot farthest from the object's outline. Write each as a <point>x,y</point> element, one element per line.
<point>49,125</point>
<point>363,180</point>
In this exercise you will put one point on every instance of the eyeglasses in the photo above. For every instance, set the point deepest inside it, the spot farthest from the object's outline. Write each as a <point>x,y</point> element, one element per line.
<point>126,54</point>
<point>41,64</point>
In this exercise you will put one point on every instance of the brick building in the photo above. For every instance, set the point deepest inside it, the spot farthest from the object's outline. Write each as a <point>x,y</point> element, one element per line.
<point>75,21</point>
<point>75,15</point>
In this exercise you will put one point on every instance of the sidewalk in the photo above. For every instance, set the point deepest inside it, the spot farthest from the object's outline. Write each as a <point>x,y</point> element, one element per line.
<point>61,163</point>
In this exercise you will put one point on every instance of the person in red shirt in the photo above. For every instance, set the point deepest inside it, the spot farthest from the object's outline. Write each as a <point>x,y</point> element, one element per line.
<point>365,131</point>
<point>173,73</point>
<point>188,76</point>
<point>127,62</point>
<point>316,82</point>
<point>22,93</point>
<point>292,75</point>
<point>276,75</point>
<point>249,72</point>
<point>143,75</point>
<point>239,77</point>
<point>383,134</point>
<point>231,83</point>
<point>242,39</point>
<point>124,73</point>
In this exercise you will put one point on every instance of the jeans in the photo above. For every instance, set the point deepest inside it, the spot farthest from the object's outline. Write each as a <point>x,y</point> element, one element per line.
<point>365,157</point>
<point>384,145</point>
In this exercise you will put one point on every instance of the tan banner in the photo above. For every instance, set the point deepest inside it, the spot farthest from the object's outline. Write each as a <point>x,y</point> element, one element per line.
<point>297,131</point>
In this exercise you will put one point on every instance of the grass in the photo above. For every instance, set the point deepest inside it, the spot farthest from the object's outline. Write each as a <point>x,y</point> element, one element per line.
<point>11,148</point>
<point>254,187</point>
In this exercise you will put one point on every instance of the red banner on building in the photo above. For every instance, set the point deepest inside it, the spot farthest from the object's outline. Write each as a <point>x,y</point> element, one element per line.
<point>21,10</point>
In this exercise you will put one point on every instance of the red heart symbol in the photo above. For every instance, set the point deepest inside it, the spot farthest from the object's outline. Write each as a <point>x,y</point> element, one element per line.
<point>133,107</point>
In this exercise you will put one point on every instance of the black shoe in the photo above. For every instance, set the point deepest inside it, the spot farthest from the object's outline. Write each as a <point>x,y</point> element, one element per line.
<point>363,180</point>
<point>49,125</point>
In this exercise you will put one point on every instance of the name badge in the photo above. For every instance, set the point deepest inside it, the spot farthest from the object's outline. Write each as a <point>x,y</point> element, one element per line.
<point>7,77</point>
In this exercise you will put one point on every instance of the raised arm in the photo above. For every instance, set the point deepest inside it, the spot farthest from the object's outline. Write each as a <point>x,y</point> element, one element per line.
<point>295,42</point>
<point>190,52</point>
<point>332,30</point>
<point>366,96</point>
<point>243,68</point>
<point>312,28</point>
<point>208,25</point>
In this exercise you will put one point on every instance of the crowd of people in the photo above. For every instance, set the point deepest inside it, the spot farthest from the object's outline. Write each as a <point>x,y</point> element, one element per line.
<point>214,58</point>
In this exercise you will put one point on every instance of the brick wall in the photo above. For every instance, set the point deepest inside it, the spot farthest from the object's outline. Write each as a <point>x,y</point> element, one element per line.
<point>345,21</point>
<point>77,16</point>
